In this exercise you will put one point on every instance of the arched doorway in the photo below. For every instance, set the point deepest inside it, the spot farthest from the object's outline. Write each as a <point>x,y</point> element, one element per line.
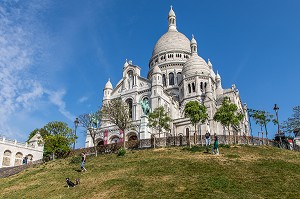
<point>180,140</point>
<point>115,139</point>
<point>100,142</point>
<point>132,138</point>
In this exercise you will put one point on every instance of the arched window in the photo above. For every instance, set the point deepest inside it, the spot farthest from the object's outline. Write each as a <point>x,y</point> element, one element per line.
<point>6,158</point>
<point>30,157</point>
<point>193,86</point>
<point>129,103</point>
<point>171,78</point>
<point>201,85</point>
<point>189,88</point>
<point>205,84</point>
<point>164,80</point>
<point>179,77</point>
<point>18,159</point>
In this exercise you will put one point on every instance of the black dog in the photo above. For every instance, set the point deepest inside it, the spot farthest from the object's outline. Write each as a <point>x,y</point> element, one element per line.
<point>71,184</point>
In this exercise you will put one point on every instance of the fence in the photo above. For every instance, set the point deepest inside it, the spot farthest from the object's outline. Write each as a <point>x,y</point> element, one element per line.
<point>170,141</point>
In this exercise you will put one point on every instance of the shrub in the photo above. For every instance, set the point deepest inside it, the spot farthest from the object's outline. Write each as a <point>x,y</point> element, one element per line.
<point>121,152</point>
<point>224,146</point>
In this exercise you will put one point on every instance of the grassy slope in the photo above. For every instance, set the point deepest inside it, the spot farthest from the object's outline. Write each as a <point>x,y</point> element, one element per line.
<point>239,172</point>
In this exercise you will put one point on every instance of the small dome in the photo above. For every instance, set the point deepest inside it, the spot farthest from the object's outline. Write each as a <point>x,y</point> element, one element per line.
<point>126,63</point>
<point>172,13</point>
<point>218,76</point>
<point>193,40</point>
<point>108,85</point>
<point>195,65</point>
<point>170,41</point>
<point>156,69</point>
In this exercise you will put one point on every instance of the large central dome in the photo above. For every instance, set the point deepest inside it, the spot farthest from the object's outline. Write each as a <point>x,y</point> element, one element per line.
<point>170,41</point>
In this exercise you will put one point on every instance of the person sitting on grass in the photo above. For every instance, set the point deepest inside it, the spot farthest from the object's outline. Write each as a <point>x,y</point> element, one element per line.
<point>215,146</point>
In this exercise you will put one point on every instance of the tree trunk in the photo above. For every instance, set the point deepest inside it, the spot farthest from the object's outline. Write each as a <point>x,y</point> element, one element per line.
<point>190,140</point>
<point>229,139</point>
<point>124,144</point>
<point>53,155</point>
<point>154,141</point>
<point>195,137</point>
<point>267,134</point>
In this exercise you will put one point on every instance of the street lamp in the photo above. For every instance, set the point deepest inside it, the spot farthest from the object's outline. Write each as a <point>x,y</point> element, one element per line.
<point>76,122</point>
<point>276,108</point>
<point>202,96</point>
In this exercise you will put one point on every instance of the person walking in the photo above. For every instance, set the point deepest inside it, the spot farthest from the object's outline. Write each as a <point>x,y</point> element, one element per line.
<point>215,146</point>
<point>207,140</point>
<point>83,160</point>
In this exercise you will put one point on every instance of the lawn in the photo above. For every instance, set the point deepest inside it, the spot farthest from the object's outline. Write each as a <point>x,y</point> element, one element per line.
<point>239,172</point>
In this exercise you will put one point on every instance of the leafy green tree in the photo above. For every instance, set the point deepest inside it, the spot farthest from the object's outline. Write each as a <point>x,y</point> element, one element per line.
<point>197,113</point>
<point>262,118</point>
<point>292,123</point>
<point>57,137</point>
<point>159,119</point>
<point>117,112</point>
<point>90,122</point>
<point>228,115</point>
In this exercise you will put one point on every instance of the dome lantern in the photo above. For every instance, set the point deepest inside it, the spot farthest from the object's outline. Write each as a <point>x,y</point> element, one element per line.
<point>172,20</point>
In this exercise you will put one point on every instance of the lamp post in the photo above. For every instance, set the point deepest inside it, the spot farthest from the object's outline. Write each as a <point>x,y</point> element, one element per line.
<point>76,122</point>
<point>276,108</point>
<point>203,95</point>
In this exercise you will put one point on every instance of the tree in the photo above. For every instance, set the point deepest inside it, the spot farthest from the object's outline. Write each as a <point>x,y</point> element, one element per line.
<point>261,118</point>
<point>58,138</point>
<point>292,123</point>
<point>228,115</point>
<point>197,113</point>
<point>159,119</point>
<point>117,112</point>
<point>91,124</point>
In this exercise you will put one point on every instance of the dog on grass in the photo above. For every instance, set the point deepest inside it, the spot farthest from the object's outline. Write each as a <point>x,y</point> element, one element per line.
<point>72,184</point>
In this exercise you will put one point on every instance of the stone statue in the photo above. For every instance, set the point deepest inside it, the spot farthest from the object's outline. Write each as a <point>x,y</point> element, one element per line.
<point>94,122</point>
<point>145,106</point>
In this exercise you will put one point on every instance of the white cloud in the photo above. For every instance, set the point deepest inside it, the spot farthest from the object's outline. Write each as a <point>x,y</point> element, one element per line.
<point>83,99</point>
<point>56,97</point>
<point>21,45</point>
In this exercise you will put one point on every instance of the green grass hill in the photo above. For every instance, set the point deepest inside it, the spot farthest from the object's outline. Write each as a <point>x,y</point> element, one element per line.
<point>238,172</point>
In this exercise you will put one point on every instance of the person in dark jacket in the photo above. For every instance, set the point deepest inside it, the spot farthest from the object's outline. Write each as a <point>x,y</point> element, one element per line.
<point>215,146</point>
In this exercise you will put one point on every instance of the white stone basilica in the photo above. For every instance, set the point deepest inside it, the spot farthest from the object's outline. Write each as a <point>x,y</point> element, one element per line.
<point>177,75</point>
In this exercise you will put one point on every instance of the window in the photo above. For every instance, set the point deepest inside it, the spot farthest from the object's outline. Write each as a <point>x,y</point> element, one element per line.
<point>130,79</point>
<point>129,103</point>
<point>189,88</point>
<point>179,77</point>
<point>6,158</point>
<point>193,86</point>
<point>171,78</point>
<point>18,159</point>
<point>201,85</point>
<point>164,80</point>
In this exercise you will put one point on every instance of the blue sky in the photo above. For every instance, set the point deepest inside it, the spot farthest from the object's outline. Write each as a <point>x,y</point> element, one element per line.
<point>56,56</point>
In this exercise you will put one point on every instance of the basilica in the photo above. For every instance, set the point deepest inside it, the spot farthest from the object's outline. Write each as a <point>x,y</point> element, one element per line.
<point>177,74</point>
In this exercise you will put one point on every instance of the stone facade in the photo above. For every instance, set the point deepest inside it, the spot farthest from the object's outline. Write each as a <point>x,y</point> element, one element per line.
<point>13,152</point>
<point>177,75</point>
